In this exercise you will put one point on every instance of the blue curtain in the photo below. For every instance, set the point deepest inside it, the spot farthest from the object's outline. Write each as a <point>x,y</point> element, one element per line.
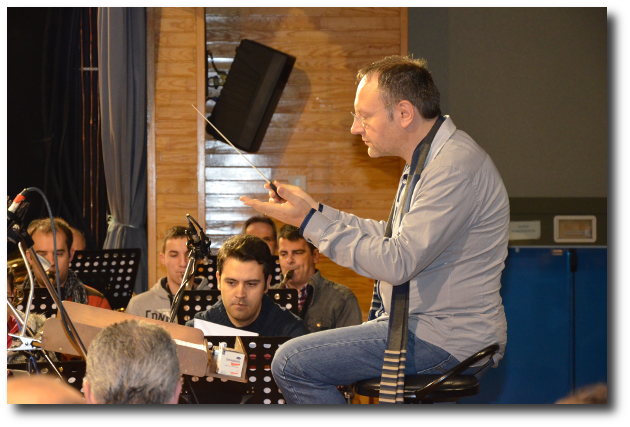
<point>122,85</point>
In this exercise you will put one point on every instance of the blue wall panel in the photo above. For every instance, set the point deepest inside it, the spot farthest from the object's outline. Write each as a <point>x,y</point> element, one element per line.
<point>551,345</point>
<point>591,295</point>
<point>536,367</point>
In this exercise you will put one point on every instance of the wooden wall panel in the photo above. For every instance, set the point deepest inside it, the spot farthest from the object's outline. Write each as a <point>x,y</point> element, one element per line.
<point>310,131</point>
<point>176,143</point>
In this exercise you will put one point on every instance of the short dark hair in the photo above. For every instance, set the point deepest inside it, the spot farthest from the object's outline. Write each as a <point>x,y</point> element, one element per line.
<point>292,233</point>
<point>176,232</point>
<point>245,247</point>
<point>404,78</point>
<point>45,226</point>
<point>264,220</point>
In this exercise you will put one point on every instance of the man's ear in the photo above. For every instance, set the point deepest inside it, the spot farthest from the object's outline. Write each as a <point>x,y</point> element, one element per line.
<point>87,392</point>
<point>71,252</point>
<point>218,281</point>
<point>268,283</point>
<point>162,261</point>
<point>175,399</point>
<point>316,256</point>
<point>407,113</point>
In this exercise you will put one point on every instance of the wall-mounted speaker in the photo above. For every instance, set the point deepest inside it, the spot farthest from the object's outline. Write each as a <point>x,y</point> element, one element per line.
<point>250,95</point>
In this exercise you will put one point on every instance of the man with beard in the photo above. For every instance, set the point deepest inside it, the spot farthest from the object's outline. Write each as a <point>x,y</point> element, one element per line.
<point>244,276</point>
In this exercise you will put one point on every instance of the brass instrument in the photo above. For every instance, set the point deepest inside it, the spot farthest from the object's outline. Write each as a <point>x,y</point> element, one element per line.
<point>286,278</point>
<point>19,269</point>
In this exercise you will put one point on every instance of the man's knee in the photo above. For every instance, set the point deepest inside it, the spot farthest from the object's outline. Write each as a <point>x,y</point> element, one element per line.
<point>280,359</point>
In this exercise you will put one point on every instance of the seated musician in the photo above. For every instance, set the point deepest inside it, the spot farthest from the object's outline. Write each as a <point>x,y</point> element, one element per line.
<point>244,275</point>
<point>41,389</point>
<point>78,239</point>
<point>263,227</point>
<point>40,231</point>
<point>156,302</point>
<point>132,362</point>
<point>322,304</point>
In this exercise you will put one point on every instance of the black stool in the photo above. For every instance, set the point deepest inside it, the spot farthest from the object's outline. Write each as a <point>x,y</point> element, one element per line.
<point>448,387</point>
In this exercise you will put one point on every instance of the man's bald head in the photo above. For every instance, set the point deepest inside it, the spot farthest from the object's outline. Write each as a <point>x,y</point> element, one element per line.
<point>41,389</point>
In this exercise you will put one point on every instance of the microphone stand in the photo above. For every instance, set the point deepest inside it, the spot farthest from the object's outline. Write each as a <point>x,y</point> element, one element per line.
<point>17,234</point>
<point>199,246</point>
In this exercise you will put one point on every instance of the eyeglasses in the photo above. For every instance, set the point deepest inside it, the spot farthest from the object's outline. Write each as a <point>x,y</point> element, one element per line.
<point>364,119</point>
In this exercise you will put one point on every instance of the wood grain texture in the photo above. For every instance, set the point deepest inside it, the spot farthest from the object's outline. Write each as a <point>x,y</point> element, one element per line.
<point>309,132</point>
<point>177,154</point>
<point>191,349</point>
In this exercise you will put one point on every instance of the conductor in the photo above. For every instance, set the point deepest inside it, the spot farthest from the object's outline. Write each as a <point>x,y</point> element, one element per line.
<point>437,262</point>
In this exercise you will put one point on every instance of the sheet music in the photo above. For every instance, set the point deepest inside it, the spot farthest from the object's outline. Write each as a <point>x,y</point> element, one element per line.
<point>213,329</point>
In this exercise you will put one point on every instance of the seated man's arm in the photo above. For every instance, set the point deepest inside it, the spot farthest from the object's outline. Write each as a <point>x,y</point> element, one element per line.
<point>441,209</point>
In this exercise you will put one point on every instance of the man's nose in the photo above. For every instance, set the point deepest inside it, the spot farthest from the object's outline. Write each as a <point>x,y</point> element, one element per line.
<point>357,127</point>
<point>183,260</point>
<point>240,291</point>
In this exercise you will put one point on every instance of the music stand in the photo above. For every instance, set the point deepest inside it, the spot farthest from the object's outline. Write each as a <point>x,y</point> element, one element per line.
<point>208,270</point>
<point>194,302</point>
<point>110,271</point>
<point>261,388</point>
<point>276,274</point>
<point>72,371</point>
<point>287,298</point>
<point>42,303</point>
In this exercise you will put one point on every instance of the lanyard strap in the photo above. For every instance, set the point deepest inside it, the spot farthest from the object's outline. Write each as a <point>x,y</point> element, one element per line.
<point>393,374</point>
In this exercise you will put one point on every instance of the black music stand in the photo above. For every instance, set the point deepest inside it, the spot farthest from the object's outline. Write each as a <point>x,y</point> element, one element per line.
<point>209,271</point>
<point>194,302</point>
<point>42,303</point>
<point>276,274</point>
<point>261,388</point>
<point>72,371</point>
<point>110,271</point>
<point>287,298</point>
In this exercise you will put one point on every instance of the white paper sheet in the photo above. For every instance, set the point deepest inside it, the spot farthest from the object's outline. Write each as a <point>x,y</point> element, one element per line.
<point>212,329</point>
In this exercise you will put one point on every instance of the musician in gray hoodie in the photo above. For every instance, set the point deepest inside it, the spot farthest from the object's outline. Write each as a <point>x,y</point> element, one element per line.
<point>156,302</point>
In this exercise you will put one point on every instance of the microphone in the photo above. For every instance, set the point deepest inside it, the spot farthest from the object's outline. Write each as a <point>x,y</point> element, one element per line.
<point>15,205</point>
<point>192,231</point>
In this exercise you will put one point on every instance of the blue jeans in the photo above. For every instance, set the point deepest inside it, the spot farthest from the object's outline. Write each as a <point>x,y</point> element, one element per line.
<point>309,368</point>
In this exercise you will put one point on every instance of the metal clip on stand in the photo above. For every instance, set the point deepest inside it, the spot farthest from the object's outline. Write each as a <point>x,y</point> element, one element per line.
<point>199,246</point>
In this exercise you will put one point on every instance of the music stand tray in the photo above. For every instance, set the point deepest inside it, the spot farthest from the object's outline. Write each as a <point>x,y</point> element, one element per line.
<point>259,388</point>
<point>110,271</point>
<point>72,371</point>
<point>42,303</point>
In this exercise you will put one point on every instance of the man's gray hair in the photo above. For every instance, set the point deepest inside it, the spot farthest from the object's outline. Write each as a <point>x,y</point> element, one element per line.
<point>133,362</point>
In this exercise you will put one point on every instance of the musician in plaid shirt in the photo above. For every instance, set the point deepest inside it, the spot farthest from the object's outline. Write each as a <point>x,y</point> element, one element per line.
<point>322,304</point>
